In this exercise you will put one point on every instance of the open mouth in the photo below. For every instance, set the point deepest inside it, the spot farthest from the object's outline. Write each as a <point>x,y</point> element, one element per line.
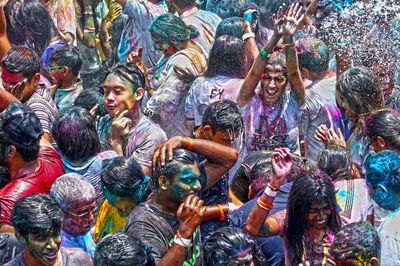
<point>51,256</point>
<point>272,92</point>
<point>322,222</point>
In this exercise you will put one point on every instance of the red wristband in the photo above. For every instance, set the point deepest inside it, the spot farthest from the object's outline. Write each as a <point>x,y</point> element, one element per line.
<point>190,145</point>
<point>221,213</point>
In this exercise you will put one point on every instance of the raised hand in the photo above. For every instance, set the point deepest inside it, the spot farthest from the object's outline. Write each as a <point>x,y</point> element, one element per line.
<point>136,58</point>
<point>329,137</point>
<point>282,161</point>
<point>190,214</point>
<point>286,24</point>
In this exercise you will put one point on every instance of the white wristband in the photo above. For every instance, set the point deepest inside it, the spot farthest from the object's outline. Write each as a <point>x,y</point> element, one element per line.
<point>248,35</point>
<point>232,208</point>
<point>182,241</point>
<point>269,192</point>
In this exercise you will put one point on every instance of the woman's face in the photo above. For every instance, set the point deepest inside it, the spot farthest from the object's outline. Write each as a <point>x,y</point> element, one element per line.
<point>273,83</point>
<point>318,215</point>
<point>342,102</point>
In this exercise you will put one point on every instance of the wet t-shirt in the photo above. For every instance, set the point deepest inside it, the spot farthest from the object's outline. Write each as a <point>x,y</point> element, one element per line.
<point>268,128</point>
<point>157,230</point>
<point>48,170</point>
<point>207,90</point>
<point>141,142</point>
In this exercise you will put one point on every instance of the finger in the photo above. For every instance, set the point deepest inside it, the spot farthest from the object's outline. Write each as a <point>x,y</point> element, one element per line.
<point>140,51</point>
<point>188,200</point>
<point>155,156</point>
<point>200,203</point>
<point>122,114</point>
<point>93,111</point>
<point>341,136</point>
<point>162,154</point>
<point>180,209</point>
<point>170,153</point>
<point>300,19</point>
<point>202,211</point>
<point>298,13</point>
<point>194,201</point>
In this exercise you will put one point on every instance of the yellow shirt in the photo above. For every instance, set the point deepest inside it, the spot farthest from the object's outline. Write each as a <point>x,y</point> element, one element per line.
<point>108,222</point>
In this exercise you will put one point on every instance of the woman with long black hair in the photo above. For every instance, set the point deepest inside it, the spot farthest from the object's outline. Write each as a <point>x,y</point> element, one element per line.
<point>311,219</point>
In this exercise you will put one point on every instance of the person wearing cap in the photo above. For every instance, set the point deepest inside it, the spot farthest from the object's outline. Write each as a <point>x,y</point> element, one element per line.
<point>20,74</point>
<point>28,162</point>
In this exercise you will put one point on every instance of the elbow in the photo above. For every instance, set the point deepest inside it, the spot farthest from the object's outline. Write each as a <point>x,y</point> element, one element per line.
<point>231,158</point>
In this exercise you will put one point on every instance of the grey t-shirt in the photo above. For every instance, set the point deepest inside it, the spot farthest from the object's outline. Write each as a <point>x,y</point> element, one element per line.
<point>141,142</point>
<point>157,229</point>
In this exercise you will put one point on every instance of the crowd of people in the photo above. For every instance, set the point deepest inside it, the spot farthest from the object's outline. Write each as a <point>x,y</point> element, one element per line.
<point>187,132</point>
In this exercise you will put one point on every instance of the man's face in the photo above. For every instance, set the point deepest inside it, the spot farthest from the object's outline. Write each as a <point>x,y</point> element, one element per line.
<point>186,182</point>
<point>45,248</point>
<point>123,205</point>
<point>118,95</point>
<point>79,220</point>
<point>273,83</point>
<point>318,215</point>
<point>17,81</point>
<point>225,137</point>
<point>58,73</point>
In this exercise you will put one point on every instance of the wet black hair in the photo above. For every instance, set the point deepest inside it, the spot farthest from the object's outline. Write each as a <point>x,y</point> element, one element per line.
<point>172,168</point>
<point>74,131</point>
<point>89,98</point>
<point>232,26</point>
<point>268,8</point>
<point>21,60</point>
<point>68,56</point>
<point>29,19</point>
<point>358,86</point>
<point>121,250</point>
<point>223,116</point>
<point>336,161</point>
<point>129,72</point>
<point>123,177</point>
<point>226,243</point>
<point>314,56</point>
<point>309,187</point>
<point>36,214</point>
<point>172,29</point>
<point>256,171</point>
<point>385,124</point>
<point>356,241</point>
<point>226,57</point>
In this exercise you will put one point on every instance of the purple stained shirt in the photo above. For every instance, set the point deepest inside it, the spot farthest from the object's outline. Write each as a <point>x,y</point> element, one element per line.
<point>267,128</point>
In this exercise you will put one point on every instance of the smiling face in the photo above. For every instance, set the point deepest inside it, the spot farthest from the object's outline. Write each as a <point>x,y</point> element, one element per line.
<point>186,182</point>
<point>273,83</point>
<point>44,249</point>
<point>318,215</point>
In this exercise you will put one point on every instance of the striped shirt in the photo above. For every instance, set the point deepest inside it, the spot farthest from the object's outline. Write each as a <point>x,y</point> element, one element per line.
<point>44,107</point>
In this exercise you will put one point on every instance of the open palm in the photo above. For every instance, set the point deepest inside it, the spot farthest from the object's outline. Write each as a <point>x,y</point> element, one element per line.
<point>286,24</point>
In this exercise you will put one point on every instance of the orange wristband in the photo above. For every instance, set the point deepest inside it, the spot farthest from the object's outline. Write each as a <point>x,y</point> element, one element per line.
<point>221,213</point>
<point>264,205</point>
<point>190,145</point>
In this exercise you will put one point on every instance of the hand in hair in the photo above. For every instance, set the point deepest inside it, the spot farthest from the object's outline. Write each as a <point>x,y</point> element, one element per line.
<point>190,214</point>
<point>329,137</point>
<point>120,128</point>
<point>282,161</point>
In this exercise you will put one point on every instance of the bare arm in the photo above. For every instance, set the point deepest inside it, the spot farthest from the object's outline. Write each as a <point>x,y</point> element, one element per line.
<point>293,70</point>
<point>4,42</point>
<point>220,158</point>
<point>258,223</point>
<point>104,39</point>
<point>294,16</point>
<point>250,45</point>
<point>5,99</point>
